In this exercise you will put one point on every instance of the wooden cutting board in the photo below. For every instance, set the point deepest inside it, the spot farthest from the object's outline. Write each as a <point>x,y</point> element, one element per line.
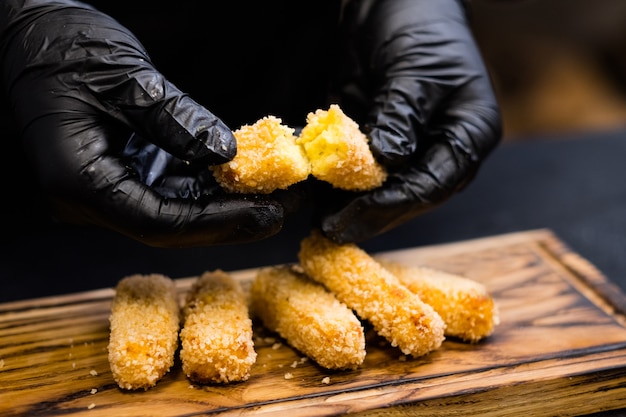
<point>560,349</point>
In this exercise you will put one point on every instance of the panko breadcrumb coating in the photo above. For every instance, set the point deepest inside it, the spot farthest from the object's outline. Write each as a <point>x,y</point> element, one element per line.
<point>144,324</point>
<point>374,293</point>
<point>268,158</point>
<point>308,317</point>
<point>467,308</point>
<point>216,337</point>
<point>339,152</point>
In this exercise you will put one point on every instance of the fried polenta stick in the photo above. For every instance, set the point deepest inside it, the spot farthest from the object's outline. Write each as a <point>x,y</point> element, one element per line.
<point>144,324</point>
<point>268,158</point>
<point>374,293</point>
<point>339,152</point>
<point>308,317</point>
<point>216,337</point>
<point>467,308</point>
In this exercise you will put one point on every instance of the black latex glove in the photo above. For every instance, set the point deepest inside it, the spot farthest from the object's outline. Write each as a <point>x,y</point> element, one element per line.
<point>79,84</point>
<point>415,81</point>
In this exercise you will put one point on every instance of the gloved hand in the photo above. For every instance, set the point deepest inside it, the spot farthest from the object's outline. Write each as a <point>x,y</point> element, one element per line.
<point>80,84</point>
<point>415,81</point>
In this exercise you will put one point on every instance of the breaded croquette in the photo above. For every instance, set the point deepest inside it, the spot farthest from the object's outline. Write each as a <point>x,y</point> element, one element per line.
<point>308,317</point>
<point>374,293</point>
<point>268,158</point>
<point>339,152</point>
<point>144,320</point>
<point>467,308</point>
<point>216,337</point>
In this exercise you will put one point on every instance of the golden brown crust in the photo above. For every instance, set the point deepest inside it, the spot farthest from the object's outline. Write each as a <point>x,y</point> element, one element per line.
<point>268,158</point>
<point>216,337</point>
<point>308,317</point>
<point>374,293</point>
<point>339,152</point>
<point>467,308</point>
<point>144,324</point>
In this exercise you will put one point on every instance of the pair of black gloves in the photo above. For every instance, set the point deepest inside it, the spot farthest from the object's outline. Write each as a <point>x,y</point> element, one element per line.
<point>77,81</point>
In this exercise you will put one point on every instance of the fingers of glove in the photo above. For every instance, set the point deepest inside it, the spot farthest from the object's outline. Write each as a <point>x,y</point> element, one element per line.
<point>113,197</point>
<point>95,63</point>
<point>88,183</point>
<point>169,118</point>
<point>407,193</point>
<point>166,174</point>
<point>417,59</point>
<point>417,92</point>
<point>133,90</point>
<point>144,215</point>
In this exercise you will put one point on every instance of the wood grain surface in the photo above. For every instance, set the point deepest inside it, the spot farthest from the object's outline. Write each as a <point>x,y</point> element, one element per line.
<point>560,349</point>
